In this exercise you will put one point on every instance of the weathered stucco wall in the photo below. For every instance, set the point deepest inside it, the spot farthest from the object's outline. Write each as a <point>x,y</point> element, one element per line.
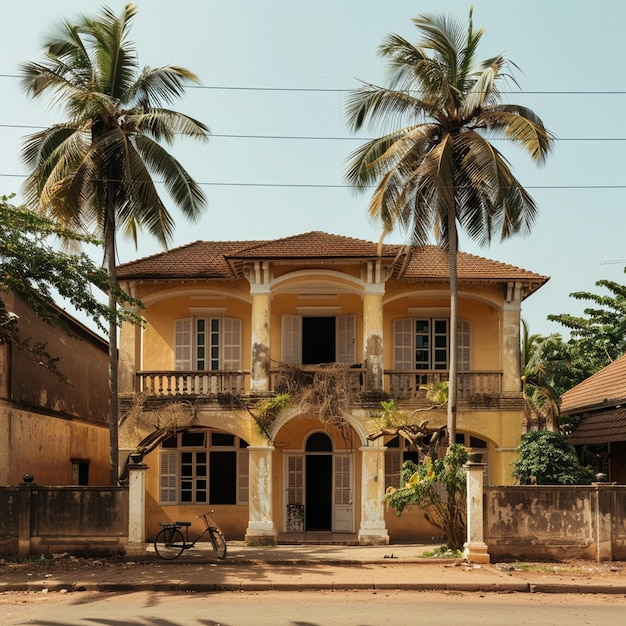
<point>45,520</point>
<point>528,522</point>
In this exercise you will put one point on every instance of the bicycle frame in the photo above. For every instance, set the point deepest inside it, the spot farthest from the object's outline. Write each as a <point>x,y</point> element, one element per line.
<point>171,542</point>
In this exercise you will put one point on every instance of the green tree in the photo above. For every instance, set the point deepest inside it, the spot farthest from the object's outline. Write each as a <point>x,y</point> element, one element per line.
<point>439,488</point>
<point>543,363</point>
<point>32,266</point>
<point>434,166</point>
<point>95,170</point>
<point>548,458</point>
<point>598,337</point>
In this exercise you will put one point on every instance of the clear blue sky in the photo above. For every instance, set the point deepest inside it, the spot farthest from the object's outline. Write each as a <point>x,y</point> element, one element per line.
<point>275,74</point>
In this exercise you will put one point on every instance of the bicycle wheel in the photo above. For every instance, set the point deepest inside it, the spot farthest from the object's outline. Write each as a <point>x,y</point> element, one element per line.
<point>169,543</point>
<point>219,543</point>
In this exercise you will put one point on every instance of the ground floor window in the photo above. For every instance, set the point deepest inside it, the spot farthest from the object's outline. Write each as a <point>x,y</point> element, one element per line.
<point>398,452</point>
<point>203,466</point>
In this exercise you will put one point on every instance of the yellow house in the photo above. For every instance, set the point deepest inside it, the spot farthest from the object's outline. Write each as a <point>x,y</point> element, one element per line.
<point>231,324</point>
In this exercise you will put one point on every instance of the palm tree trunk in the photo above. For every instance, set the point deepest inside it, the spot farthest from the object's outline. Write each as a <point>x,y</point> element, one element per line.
<point>113,407</point>
<point>454,314</point>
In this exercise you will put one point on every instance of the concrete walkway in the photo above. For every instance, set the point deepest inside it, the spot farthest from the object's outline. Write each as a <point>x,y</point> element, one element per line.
<point>310,567</point>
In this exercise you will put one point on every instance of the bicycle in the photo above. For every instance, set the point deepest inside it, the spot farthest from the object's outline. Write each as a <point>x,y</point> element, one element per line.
<point>170,541</point>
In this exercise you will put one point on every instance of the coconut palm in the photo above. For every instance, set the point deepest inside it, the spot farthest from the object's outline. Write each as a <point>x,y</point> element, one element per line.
<point>542,366</point>
<point>95,171</point>
<point>434,168</point>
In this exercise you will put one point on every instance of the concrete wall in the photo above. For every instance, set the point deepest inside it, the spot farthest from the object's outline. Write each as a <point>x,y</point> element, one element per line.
<point>46,520</point>
<point>554,522</point>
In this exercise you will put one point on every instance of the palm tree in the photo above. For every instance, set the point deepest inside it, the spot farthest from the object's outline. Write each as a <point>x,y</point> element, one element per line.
<point>95,171</point>
<point>542,363</point>
<point>434,168</point>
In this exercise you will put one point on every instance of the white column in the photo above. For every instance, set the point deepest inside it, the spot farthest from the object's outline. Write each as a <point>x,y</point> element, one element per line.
<point>136,509</point>
<point>475,547</point>
<point>259,276</point>
<point>261,528</point>
<point>372,530</point>
<point>374,278</point>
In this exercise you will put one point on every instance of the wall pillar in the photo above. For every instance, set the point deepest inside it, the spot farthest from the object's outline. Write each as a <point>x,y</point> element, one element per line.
<point>259,276</point>
<point>372,530</point>
<point>373,325</point>
<point>475,547</point>
<point>261,528</point>
<point>136,544</point>
<point>511,357</point>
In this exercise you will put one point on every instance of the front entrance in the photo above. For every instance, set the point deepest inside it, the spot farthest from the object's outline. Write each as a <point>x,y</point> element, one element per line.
<point>319,488</point>
<point>318,492</point>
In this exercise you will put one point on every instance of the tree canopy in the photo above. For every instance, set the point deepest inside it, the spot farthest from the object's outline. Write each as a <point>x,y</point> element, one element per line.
<point>96,170</point>
<point>33,265</point>
<point>435,168</point>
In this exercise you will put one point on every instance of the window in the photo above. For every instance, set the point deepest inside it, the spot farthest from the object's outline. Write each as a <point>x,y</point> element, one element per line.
<point>207,343</point>
<point>204,467</point>
<point>396,454</point>
<point>80,472</point>
<point>423,344</point>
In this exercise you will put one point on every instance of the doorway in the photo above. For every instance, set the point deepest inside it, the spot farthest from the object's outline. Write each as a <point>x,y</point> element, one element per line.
<point>318,340</point>
<point>319,485</point>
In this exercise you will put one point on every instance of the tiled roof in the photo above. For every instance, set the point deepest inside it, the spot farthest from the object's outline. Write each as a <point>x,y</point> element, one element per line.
<point>601,427</point>
<point>604,387</point>
<point>218,259</point>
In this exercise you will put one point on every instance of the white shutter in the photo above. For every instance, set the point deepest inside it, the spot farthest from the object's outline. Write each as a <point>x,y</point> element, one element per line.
<point>168,477</point>
<point>294,504</point>
<point>463,345</point>
<point>243,472</point>
<point>343,479</point>
<point>182,344</point>
<point>403,355</point>
<point>231,360</point>
<point>345,339</point>
<point>292,339</point>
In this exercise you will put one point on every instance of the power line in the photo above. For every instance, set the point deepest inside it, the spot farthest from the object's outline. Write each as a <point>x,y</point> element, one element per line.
<point>566,92</point>
<point>347,186</point>
<point>324,137</point>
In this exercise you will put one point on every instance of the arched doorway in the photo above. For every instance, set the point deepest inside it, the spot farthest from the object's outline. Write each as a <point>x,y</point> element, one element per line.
<point>319,487</point>
<point>318,482</point>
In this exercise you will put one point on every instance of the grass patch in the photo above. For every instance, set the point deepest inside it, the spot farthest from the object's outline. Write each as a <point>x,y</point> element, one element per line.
<point>442,552</point>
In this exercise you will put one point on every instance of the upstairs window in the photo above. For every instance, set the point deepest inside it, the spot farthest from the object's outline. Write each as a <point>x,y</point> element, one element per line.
<point>424,344</point>
<point>207,343</point>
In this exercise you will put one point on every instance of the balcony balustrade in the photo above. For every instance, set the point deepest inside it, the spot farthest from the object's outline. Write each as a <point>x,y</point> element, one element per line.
<point>405,385</point>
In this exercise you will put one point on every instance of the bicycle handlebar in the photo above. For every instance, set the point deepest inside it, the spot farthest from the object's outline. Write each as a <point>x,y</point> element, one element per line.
<point>205,514</point>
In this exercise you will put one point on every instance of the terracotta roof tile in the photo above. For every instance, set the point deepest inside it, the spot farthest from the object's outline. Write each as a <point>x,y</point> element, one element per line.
<point>604,387</point>
<point>218,259</point>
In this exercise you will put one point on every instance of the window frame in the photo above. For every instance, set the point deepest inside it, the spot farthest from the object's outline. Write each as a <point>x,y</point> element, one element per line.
<point>219,339</point>
<point>172,459</point>
<point>406,345</point>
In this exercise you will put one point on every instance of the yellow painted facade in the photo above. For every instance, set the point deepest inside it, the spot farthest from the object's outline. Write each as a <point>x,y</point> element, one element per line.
<point>192,415</point>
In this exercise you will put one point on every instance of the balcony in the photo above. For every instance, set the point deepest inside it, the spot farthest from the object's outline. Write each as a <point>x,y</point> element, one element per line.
<point>474,388</point>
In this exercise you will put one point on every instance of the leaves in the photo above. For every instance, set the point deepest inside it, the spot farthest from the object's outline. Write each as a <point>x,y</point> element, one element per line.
<point>33,267</point>
<point>548,458</point>
<point>438,487</point>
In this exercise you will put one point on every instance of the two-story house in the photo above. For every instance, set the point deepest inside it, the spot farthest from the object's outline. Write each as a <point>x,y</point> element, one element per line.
<point>231,324</point>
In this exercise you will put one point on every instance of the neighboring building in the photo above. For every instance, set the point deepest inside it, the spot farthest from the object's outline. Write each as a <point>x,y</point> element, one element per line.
<point>600,403</point>
<point>54,430</point>
<point>230,323</point>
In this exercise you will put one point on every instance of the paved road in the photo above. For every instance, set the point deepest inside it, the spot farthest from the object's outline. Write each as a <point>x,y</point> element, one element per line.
<point>321,608</point>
